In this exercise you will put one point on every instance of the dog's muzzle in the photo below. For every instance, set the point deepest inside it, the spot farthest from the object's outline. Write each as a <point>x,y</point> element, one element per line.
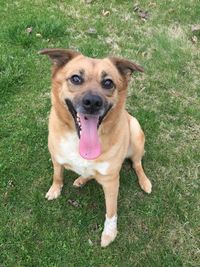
<point>88,112</point>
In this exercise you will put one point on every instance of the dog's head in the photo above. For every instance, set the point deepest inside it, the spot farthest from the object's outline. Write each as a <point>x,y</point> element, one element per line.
<point>89,89</point>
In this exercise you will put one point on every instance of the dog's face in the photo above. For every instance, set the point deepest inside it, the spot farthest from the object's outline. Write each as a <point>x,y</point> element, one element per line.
<point>89,88</point>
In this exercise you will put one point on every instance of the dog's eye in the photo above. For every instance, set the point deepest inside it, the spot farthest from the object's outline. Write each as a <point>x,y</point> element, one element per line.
<point>76,80</point>
<point>107,84</point>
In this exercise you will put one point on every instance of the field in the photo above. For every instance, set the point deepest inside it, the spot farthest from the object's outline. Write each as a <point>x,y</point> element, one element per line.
<point>161,229</point>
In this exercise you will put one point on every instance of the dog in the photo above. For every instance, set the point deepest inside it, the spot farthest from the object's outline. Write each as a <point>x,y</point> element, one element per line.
<point>90,131</point>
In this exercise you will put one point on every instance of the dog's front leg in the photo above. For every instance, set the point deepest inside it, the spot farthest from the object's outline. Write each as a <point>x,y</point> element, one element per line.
<point>55,189</point>
<point>111,188</point>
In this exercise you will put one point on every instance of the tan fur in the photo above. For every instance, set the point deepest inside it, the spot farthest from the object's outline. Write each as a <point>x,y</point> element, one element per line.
<point>120,134</point>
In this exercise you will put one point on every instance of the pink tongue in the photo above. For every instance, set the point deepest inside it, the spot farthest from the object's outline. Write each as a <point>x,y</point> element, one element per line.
<point>89,145</point>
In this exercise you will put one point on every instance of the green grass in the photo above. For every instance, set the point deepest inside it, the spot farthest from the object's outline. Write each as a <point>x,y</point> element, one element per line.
<point>162,229</point>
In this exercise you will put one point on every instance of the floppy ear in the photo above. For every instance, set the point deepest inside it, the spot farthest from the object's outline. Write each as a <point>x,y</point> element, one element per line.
<point>59,57</point>
<point>124,66</point>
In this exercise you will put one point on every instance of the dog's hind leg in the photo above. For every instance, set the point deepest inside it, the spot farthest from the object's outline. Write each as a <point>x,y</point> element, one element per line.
<point>136,150</point>
<point>80,181</point>
<point>57,185</point>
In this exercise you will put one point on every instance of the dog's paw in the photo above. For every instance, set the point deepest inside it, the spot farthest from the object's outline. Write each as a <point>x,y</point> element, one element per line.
<point>53,192</point>
<point>107,239</point>
<point>80,182</point>
<point>146,185</point>
<point>110,231</point>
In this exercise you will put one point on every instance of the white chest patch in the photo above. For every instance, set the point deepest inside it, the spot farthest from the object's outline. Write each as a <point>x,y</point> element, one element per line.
<point>69,154</point>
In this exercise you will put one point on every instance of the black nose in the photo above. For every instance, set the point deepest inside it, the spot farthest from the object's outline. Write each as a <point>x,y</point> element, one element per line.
<point>92,103</point>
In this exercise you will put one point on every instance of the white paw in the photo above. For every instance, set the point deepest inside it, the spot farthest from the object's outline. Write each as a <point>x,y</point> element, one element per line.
<point>146,185</point>
<point>53,192</point>
<point>107,239</point>
<point>110,231</point>
<point>80,182</point>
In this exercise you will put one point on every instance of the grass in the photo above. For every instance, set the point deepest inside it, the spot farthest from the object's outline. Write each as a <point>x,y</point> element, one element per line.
<point>162,229</point>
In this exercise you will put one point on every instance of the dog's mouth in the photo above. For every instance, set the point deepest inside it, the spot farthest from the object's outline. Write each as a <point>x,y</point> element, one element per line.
<point>87,129</point>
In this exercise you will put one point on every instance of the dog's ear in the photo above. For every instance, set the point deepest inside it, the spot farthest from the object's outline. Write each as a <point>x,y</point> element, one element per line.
<point>125,67</point>
<point>59,57</point>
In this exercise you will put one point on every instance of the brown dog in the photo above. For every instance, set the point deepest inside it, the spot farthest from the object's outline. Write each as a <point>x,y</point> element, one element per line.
<point>90,132</point>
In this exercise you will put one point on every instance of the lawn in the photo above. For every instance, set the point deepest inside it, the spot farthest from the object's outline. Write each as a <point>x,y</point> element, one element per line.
<point>161,229</point>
